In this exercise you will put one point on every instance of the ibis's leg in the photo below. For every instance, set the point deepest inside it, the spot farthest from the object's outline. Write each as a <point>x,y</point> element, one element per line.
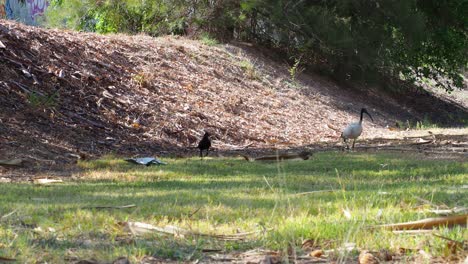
<point>354,141</point>
<point>346,142</point>
<point>207,151</point>
<point>201,153</point>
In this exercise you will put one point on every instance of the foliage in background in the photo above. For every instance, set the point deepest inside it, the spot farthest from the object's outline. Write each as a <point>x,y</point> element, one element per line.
<point>369,41</point>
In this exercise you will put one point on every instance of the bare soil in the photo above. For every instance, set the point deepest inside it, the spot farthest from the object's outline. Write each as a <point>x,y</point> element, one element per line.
<point>64,94</point>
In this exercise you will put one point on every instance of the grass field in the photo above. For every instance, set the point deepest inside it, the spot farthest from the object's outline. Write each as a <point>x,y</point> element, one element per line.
<point>226,196</point>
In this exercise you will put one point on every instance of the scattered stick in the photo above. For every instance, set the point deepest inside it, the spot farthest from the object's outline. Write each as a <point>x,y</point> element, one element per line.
<point>26,89</point>
<point>413,232</point>
<point>42,160</point>
<point>463,210</point>
<point>12,163</point>
<point>45,181</point>
<point>234,147</point>
<point>138,228</point>
<point>422,142</point>
<point>110,207</point>
<point>194,212</point>
<point>4,259</point>
<point>428,202</point>
<point>314,192</point>
<point>93,123</point>
<point>449,239</point>
<point>429,223</point>
<point>302,155</point>
<point>7,215</point>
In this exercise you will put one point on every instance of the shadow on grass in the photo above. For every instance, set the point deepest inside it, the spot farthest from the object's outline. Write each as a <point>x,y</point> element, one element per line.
<point>239,184</point>
<point>222,195</point>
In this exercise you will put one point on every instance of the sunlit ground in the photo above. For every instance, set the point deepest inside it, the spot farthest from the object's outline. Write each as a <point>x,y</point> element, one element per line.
<point>227,196</point>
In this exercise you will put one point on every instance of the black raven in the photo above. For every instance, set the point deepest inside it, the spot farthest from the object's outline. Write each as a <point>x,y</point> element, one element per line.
<point>204,144</point>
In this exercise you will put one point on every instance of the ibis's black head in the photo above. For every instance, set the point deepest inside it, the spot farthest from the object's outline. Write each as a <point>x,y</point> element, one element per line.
<point>206,135</point>
<point>363,110</point>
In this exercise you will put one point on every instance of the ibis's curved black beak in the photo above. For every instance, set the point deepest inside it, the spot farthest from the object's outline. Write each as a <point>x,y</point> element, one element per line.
<point>367,113</point>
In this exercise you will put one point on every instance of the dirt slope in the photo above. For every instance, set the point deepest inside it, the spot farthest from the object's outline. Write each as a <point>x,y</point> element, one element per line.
<point>66,92</point>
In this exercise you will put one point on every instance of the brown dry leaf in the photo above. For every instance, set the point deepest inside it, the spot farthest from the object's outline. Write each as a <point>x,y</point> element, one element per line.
<point>405,251</point>
<point>317,253</point>
<point>308,243</point>
<point>452,247</point>
<point>365,257</point>
<point>385,255</point>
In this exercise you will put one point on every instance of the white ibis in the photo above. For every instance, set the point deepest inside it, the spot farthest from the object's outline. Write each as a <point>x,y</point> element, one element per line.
<point>354,130</point>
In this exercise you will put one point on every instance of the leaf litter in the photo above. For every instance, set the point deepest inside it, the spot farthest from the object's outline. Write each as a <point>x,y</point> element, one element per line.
<point>66,94</point>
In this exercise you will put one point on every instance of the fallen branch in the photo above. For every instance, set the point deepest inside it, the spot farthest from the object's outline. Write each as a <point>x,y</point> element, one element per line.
<point>413,232</point>
<point>429,223</point>
<point>110,207</point>
<point>449,239</point>
<point>302,155</point>
<point>12,163</point>
<point>463,210</point>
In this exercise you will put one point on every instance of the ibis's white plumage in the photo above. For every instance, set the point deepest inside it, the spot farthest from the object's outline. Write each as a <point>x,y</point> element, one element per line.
<point>354,130</point>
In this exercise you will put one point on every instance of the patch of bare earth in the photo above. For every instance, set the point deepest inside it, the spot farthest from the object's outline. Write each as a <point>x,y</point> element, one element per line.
<point>64,94</point>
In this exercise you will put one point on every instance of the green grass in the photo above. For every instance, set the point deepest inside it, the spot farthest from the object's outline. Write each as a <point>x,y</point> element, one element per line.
<point>206,39</point>
<point>249,69</point>
<point>231,195</point>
